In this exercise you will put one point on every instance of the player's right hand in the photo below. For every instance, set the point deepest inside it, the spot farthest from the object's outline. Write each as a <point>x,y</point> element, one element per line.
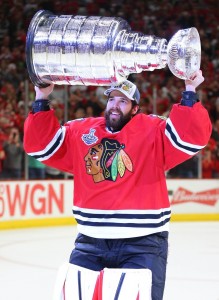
<point>43,93</point>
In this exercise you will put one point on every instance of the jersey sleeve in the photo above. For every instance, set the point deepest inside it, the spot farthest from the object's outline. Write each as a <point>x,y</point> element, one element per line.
<point>185,132</point>
<point>47,141</point>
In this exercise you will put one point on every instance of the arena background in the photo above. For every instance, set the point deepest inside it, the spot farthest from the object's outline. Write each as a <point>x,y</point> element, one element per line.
<point>30,257</point>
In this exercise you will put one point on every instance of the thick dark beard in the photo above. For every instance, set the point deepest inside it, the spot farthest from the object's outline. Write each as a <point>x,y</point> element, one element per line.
<point>118,124</point>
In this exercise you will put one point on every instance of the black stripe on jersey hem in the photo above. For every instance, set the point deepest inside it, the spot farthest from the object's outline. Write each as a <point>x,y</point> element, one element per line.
<point>173,137</point>
<point>131,225</point>
<point>56,144</point>
<point>121,216</point>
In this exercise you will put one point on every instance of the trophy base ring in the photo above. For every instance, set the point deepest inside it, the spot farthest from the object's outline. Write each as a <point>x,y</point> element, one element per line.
<point>29,57</point>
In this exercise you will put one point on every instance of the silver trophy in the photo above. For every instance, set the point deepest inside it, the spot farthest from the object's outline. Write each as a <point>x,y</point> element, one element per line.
<point>81,50</point>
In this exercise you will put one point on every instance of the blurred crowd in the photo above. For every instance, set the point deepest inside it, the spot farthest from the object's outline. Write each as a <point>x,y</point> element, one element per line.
<point>159,89</point>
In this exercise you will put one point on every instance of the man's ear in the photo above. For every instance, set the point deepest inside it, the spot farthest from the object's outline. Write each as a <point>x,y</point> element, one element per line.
<point>135,109</point>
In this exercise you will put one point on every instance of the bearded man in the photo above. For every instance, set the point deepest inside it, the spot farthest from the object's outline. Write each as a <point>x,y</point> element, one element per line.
<point>123,222</point>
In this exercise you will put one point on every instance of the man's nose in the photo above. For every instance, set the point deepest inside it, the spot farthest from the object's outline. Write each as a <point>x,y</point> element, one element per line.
<point>115,104</point>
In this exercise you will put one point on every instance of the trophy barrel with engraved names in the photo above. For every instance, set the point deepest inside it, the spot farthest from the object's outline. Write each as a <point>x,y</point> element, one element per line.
<point>95,50</point>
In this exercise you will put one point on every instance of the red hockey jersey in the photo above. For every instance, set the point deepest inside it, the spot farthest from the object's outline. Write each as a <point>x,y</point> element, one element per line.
<point>119,178</point>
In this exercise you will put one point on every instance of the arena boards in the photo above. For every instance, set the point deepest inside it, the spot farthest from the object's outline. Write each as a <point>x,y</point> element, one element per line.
<point>49,203</point>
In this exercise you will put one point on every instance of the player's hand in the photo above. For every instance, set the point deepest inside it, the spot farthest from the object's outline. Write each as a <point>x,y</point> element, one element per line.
<point>194,81</point>
<point>43,93</point>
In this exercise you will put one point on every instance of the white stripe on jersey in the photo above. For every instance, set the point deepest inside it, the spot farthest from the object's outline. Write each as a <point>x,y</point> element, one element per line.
<point>177,142</point>
<point>121,223</point>
<point>51,148</point>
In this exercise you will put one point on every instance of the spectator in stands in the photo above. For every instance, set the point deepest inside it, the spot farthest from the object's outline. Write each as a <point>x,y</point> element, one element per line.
<point>12,76</point>
<point>189,169</point>
<point>2,157</point>
<point>94,102</point>
<point>36,169</point>
<point>80,113</point>
<point>12,164</point>
<point>89,111</point>
<point>52,173</point>
<point>215,130</point>
<point>207,163</point>
<point>3,137</point>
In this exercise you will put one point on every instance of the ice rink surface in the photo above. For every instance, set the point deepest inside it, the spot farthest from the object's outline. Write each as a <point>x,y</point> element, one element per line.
<point>30,258</point>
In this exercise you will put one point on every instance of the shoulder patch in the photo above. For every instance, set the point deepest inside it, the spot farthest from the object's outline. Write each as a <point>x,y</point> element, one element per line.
<point>160,117</point>
<point>76,120</point>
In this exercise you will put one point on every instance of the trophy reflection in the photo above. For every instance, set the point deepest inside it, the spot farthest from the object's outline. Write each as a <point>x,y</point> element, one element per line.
<point>81,50</point>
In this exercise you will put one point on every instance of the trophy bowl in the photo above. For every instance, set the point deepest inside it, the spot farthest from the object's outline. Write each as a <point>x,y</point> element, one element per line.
<point>184,53</point>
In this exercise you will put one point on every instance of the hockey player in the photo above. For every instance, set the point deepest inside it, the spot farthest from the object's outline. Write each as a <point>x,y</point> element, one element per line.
<point>119,161</point>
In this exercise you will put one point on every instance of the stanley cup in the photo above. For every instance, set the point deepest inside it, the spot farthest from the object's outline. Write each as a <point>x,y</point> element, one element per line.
<point>81,50</point>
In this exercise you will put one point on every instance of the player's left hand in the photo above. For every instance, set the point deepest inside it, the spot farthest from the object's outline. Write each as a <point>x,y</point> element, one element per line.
<point>194,81</point>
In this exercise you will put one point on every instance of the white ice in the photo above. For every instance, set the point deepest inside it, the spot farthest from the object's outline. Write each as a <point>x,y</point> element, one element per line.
<point>30,258</point>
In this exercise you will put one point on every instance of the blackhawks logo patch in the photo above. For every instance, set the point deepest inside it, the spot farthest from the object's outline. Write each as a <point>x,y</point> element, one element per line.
<point>107,160</point>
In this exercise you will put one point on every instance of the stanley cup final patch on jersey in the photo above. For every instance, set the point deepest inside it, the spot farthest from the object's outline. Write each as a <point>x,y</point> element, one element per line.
<point>90,138</point>
<point>107,160</point>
